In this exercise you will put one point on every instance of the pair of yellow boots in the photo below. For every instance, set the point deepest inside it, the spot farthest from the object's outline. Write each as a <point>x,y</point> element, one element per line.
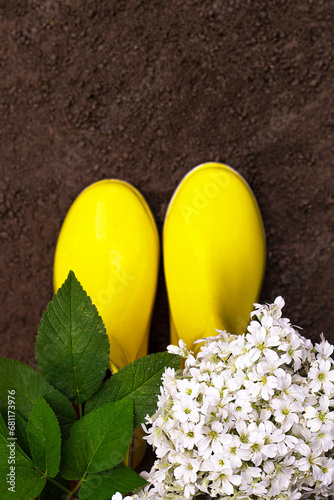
<point>213,250</point>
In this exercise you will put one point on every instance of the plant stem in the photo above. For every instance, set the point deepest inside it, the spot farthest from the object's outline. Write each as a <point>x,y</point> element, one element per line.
<point>58,485</point>
<point>80,410</point>
<point>76,487</point>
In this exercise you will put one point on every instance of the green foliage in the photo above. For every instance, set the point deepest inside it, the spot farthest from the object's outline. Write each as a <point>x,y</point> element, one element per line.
<point>53,491</point>
<point>98,441</point>
<point>105,484</point>
<point>72,348</point>
<point>28,481</point>
<point>44,439</point>
<point>140,381</point>
<point>51,446</point>
<point>20,430</point>
<point>21,434</point>
<point>28,385</point>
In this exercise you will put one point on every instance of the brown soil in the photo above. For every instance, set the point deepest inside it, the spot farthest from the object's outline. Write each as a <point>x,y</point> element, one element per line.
<point>145,91</point>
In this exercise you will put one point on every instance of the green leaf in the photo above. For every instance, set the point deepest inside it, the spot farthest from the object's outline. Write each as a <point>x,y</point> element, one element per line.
<point>139,380</point>
<point>29,385</point>
<point>52,492</point>
<point>28,481</point>
<point>21,434</point>
<point>72,347</point>
<point>98,441</point>
<point>3,428</point>
<point>20,430</point>
<point>44,438</point>
<point>103,485</point>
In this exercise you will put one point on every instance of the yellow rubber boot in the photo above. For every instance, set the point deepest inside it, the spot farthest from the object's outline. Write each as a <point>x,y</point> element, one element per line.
<point>214,253</point>
<point>110,240</point>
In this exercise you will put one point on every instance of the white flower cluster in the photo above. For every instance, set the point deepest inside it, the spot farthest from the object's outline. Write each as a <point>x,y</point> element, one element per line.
<point>250,417</point>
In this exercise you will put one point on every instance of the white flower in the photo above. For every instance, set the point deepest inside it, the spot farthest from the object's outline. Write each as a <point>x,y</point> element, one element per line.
<point>187,470</point>
<point>235,453</point>
<point>290,390</point>
<point>190,436</point>
<point>186,409</point>
<point>246,358</point>
<point>119,496</point>
<point>250,417</point>
<point>310,459</point>
<point>258,338</point>
<point>324,439</point>
<point>248,473</point>
<point>260,382</point>
<point>324,471</point>
<point>286,411</point>
<point>324,349</point>
<point>257,443</point>
<point>188,387</point>
<point>215,463</point>
<point>213,439</point>
<point>322,376</point>
<point>242,405</point>
<point>211,398</point>
<point>223,482</point>
<point>255,488</point>
<point>316,417</point>
<point>181,349</point>
<point>272,436</point>
<point>293,348</point>
<point>244,433</point>
<point>274,310</point>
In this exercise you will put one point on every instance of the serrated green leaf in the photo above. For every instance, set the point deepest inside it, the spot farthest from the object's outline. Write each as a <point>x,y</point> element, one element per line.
<point>103,485</point>
<point>21,434</point>
<point>98,441</point>
<point>20,430</point>
<point>44,438</point>
<point>139,380</point>
<point>29,385</point>
<point>72,347</point>
<point>28,481</point>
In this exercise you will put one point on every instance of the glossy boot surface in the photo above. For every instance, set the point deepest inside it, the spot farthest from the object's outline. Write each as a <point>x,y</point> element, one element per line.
<point>109,239</point>
<point>214,253</point>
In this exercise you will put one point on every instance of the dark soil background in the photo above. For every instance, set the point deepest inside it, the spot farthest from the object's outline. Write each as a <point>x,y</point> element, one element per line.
<point>145,91</point>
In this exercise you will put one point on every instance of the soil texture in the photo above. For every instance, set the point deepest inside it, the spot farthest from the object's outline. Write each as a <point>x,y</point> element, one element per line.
<point>145,90</point>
